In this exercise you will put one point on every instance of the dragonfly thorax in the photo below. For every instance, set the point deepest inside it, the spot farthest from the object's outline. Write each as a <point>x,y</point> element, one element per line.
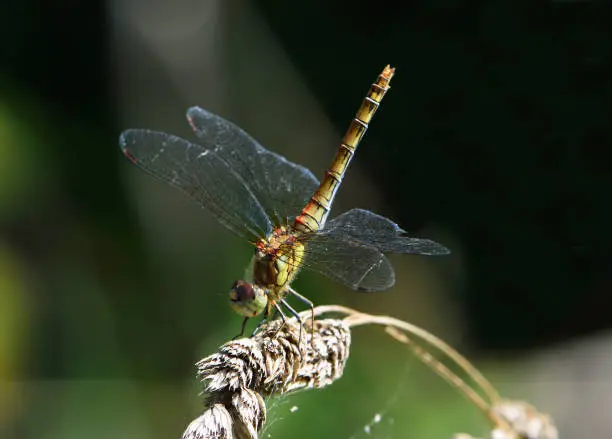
<point>280,238</point>
<point>277,260</point>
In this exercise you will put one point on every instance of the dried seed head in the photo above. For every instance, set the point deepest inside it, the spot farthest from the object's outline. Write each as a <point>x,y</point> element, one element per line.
<point>216,422</point>
<point>525,420</point>
<point>273,362</point>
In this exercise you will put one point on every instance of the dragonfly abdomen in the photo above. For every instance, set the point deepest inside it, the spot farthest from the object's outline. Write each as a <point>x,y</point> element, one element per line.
<point>315,213</point>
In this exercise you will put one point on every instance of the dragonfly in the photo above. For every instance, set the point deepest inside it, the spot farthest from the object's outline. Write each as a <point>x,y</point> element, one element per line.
<point>280,207</point>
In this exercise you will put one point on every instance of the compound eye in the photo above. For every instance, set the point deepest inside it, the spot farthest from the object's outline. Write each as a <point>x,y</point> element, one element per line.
<point>244,291</point>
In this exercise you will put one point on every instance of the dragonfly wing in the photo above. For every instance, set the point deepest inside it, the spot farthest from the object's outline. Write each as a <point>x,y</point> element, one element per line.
<point>282,187</point>
<point>351,249</point>
<point>349,262</point>
<point>202,174</point>
<point>373,230</point>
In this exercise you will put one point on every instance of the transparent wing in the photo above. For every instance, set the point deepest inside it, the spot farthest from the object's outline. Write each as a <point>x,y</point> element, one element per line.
<point>202,174</point>
<point>351,248</point>
<point>281,187</point>
<point>377,231</point>
<point>355,265</point>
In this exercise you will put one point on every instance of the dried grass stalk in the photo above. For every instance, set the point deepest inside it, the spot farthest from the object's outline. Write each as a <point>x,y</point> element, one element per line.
<point>283,358</point>
<point>273,362</point>
<point>524,421</point>
<point>510,419</point>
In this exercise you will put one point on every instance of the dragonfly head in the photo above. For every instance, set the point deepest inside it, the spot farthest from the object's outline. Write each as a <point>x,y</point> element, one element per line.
<point>248,299</point>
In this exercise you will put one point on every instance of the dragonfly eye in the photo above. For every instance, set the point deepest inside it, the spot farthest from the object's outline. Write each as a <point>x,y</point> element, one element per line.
<point>247,299</point>
<point>242,292</point>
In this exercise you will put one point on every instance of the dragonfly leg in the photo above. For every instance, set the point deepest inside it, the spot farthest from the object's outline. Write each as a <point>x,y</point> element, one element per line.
<point>244,322</point>
<point>263,320</point>
<point>295,314</point>
<point>308,302</point>
<point>268,316</point>
<point>282,314</point>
